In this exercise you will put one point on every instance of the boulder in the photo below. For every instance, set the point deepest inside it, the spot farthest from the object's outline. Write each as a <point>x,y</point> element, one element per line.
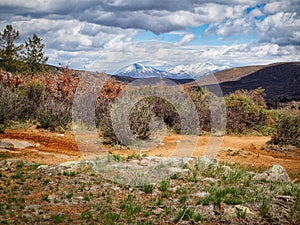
<point>275,173</point>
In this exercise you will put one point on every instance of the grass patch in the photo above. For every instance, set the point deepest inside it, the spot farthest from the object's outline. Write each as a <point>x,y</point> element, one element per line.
<point>148,188</point>
<point>58,218</point>
<point>188,214</point>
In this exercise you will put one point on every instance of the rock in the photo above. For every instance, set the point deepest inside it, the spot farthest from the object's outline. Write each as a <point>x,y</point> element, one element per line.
<point>71,164</point>
<point>261,176</point>
<point>66,167</point>
<point>41,167</point>
<point>202,194</point>
<point>227,170</point>
<point>76,164</point>
<point>152,170</point>
<point>275,173</point>
<point>13,161</point>
<point>244,209</point>
<point>6,145</point>
<point>140,172</point>
<point>19,143</point>
<point>278,173</point>
<point>144,162</point>
<point>205,162</point>
<point>158,211</point>
<point>174,170</point>
<point>51,197</point>
<point>79,197</point>
<point>8,163</point>
<point>116,188</point>
<point>174,189</point>
<point>232,211</point>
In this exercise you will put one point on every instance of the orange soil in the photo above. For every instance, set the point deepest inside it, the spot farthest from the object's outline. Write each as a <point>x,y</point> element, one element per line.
<point>247,151</point>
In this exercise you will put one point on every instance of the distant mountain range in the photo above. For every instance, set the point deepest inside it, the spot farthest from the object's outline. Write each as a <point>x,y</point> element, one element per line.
<point>190,71</point>
<point>281,81</point>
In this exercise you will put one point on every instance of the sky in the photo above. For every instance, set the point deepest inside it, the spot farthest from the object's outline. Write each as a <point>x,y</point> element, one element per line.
<point>107,35</point>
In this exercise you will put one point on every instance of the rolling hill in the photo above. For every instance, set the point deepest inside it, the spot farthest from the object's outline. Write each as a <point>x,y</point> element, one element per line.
<point>281,81</point>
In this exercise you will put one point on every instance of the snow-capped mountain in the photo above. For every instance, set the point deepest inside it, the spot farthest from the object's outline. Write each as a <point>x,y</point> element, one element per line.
<point>196,70</point>
<point>189,71</point>
<point>138,70</point>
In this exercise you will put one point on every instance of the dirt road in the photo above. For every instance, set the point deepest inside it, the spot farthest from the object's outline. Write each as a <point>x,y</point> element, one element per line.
<point>246,151</point>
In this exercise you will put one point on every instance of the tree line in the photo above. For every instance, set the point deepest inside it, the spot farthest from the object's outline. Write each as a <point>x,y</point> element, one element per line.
<point>26,58</point>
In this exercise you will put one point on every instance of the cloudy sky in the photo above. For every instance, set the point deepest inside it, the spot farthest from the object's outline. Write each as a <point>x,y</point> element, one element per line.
<point>110,34</point>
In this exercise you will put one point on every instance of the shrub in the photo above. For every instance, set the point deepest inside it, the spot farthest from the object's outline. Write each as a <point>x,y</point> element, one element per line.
<point>109,92</point>
<point>11,105</point>
<point>66,83</point>
<point>2,128</point>
<point>287,129</point>
<point>33,94</point>
<point>103,108</point>
<point>53,114</point>
<point>103,121</point>
<point>246,110</point>
<point>165,110</point>
<point>143,113</point>
<point>140,115</point>
<point>200,97</point>
<point>139,119</point>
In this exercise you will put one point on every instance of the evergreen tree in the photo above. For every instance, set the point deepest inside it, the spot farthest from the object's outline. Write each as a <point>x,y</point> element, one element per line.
<point>9,51</point>
<point>33,56</point>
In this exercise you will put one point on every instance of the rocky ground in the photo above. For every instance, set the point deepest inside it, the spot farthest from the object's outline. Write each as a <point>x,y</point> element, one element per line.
<point>182,191</point>
<point>44,179</point>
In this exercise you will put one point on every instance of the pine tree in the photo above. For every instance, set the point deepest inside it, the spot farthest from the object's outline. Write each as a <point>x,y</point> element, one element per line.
<point>9,51</point>
<point>33,56</point>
